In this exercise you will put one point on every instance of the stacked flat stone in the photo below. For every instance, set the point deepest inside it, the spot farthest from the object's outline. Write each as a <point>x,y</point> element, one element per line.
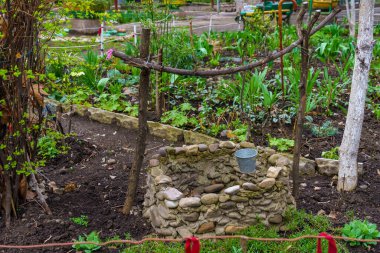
<point>199,189</point>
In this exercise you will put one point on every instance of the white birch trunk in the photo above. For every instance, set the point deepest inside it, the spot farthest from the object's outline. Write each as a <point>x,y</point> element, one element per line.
<point>348,172</point>
<point>352,19</point>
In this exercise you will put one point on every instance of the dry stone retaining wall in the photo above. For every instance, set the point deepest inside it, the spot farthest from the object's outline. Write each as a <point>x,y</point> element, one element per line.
<point>199,189</point>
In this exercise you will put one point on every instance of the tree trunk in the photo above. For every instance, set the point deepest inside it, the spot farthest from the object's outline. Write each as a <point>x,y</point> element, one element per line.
<point>351,17</point>
<point>305,34</point>
<point>143,125</point>
<point>158,86</point>
<point>348,173</point>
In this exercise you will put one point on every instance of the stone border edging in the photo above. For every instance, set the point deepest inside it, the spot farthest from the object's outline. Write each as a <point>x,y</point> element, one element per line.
<point>167,132</point>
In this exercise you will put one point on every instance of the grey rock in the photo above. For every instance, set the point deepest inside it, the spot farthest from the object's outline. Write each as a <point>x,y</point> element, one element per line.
<point>184,232</point>
<point>214,188</point>
<point>245,144</point>
<point>267,183</point>
<point>162,179</point>
<point>191,217</point>
<point>330,167</point>
<point>224,198</point>
<point>155,217</point>
<point>232,190</point>
<point>192,150</point>
<point>171,204</point>
<point>234,215</point>
<point>239,199</point>
<point>163,211</point>
<point>166,231</point>
<point>162,151</point>
<point>275,219</point>
<point>202,147</point>
<point>213,147</point>
<point>210,198</point>
<point>156,171</point>
<point>224,221</point>
<point>180,150</point>
<point>172,194</point>
<point>190,202</point>
<point>219,230</point>
<point>111,161</point>
<point>273,172</point>
<point>227,205</point>
<point>227,144</point>
<point>250,187</point>
<point>154,162</point>
<point>160,195</point>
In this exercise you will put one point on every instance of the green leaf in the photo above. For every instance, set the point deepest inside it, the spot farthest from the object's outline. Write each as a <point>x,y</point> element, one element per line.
<point>102,84</point>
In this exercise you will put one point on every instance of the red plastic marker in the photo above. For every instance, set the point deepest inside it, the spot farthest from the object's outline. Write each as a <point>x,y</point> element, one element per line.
<point>192,245</point>
<point>332,246</point>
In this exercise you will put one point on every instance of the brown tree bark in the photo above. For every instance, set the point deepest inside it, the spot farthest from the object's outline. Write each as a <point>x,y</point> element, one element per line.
<point>305,34</point>
<point>158,86</point>
<point>133,179</point>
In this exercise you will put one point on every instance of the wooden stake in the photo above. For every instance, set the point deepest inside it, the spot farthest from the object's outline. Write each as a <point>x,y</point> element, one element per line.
<point>158,84</point>
<point>143,126</point>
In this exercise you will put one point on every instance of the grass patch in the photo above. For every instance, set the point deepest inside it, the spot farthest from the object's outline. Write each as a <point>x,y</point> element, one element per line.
<point>297,223</point>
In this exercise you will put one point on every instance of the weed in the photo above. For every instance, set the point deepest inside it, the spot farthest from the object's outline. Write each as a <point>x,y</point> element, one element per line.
<point>331,154</point>
<point>326,130</point>
<point>281,144</point>
<point>88,248</point>
<point>361,230</point>
<point>81,220</point>
<point>50,145</point>
<point>179,116</point>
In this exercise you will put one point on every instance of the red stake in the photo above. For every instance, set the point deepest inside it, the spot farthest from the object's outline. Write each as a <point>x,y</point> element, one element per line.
<point>332,246</point>
<point>192,245</point>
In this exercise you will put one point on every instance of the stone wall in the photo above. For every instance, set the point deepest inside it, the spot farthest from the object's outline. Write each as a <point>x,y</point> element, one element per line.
<point>199,189</point>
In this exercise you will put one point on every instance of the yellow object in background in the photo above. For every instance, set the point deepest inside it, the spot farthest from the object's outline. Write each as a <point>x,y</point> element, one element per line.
<point>146,1</point>
<point>324,4</point>
<point>175,2</point>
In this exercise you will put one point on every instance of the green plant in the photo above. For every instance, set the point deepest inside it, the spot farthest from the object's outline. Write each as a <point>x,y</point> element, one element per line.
<point>88,248</point>
<point>281,144</point>
<point>361,230</point>
<point>51,145</point>
<point>179,116</point>
<point>331,154</point>
<point>81,220</point>
<point>326,130</point>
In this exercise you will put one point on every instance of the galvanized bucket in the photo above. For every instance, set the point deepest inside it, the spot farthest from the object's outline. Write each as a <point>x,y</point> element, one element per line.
<point>246,159</point>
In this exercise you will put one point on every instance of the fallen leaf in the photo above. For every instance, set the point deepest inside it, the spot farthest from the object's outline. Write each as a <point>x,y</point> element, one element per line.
<point>30,195</point>
<point>332,215</point>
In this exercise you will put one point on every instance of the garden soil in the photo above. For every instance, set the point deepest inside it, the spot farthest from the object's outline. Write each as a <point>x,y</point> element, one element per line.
<point>94,177</point>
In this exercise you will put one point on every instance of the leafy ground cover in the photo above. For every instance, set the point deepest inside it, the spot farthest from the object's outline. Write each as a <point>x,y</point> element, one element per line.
<point>251,100</point>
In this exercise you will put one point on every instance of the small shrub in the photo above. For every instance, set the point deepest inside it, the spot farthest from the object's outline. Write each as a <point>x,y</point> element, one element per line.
<point>326,130</point>
<point>281,144</point>
<point>50,145</point>
<point>88,248</point>
<point>331,154</point>
<point>81,220</point>
<point>178,117</point>
<point>361,230</point>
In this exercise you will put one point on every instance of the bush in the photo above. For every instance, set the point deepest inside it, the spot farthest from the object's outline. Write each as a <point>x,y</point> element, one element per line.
<point>361,230</point>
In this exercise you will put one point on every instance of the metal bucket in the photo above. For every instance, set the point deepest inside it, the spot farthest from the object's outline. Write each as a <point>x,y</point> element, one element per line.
<point>246,159</point>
